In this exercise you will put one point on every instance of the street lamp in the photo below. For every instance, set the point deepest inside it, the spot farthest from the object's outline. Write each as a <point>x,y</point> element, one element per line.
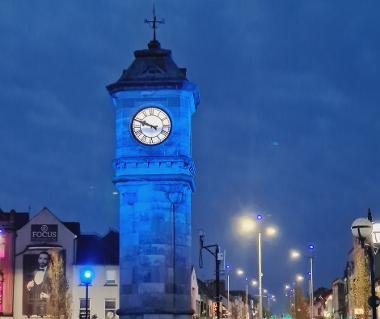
<point>86,277</point>
<point>214,250</point>
<point>311,289</point>
<point>247,226</point>
<point>362,229</point>
<point>240,272</point>
<point>299,278</point>
<point>228,289</point>
<point>296,254</point>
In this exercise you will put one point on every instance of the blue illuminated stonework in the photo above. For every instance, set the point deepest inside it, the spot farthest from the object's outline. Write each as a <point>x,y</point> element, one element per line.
<point>155,184</point>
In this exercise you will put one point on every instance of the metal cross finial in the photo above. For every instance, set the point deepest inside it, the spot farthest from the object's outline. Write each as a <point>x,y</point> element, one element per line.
<point>369,215</point>
<point>154,22</point>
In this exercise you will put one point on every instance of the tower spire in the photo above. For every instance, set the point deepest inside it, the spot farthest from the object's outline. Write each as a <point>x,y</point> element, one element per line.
<point>154,22</point>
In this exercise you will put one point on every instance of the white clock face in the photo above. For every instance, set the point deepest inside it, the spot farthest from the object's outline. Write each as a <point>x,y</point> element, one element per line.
<point>151,126</point>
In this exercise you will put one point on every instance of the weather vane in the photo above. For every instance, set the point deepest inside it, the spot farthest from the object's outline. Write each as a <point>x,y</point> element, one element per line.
<point>154,22</point>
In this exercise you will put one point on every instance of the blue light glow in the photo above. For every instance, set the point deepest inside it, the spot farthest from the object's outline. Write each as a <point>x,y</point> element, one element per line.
<point>259,217</point>
<point>86,276</point>
<point>155,183</point>
<point>311,246</point>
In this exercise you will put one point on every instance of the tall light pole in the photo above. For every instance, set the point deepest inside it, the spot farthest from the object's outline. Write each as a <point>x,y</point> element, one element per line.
<point>86,277</point>
<point>247,226</point>
<point>311,291</point>
<point>214,250</point>
<point>295,254</point>
<point>246,298</point>
<point>260,275</point>
<point>228,289</point>
<point>240,272</point>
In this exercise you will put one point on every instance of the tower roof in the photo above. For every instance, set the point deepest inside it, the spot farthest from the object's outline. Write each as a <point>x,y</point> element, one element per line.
<point>152,67</point>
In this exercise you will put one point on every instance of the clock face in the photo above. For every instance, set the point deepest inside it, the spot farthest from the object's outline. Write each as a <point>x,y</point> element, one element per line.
<point>151,126</point>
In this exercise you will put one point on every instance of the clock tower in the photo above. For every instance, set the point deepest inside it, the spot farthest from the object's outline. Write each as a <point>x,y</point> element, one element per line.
<point>154,175</point>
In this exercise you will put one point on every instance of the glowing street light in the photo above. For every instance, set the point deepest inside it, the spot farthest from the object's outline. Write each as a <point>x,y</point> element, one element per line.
<point>86,277</point>
<point>299,278</point>
<point>248,226</point>
<point>254,282</point>
<point>294,254</point>
<point>239,272</point>
<point>270,231</point>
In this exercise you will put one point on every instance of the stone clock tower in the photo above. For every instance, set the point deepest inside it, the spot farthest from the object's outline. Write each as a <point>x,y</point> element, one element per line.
<point>154,174</point>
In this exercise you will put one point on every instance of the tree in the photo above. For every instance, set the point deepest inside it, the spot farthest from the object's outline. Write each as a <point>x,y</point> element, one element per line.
<point>59,304</point>
<point>360,287</point>
<point>237,308</point>
<point>299,308</point>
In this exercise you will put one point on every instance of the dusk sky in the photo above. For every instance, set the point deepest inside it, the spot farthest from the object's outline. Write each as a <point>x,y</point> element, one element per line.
<point>288,125</point>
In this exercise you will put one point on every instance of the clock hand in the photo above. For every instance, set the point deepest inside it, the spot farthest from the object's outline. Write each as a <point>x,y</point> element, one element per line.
<point>144,123</point>
<point>152,126</point>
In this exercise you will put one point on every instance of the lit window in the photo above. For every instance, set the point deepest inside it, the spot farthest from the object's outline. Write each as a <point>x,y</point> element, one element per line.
<point>82,308</point>
<point>110,277</point>
<point>109,308</point>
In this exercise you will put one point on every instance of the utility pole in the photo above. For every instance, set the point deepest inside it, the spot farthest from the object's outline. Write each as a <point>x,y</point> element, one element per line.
<point>214,250</point>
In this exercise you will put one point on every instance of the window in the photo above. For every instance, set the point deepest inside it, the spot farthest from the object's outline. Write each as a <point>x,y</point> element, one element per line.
<point>82,308</point>
<point>109,308</point>
<point>110,277</point>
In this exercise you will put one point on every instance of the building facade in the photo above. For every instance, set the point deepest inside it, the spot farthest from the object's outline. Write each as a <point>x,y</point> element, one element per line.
<point>39,253</point>
<point>34,250</point>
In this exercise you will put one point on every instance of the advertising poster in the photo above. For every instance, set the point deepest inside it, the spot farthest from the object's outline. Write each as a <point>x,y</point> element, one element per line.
<point>40,269</point>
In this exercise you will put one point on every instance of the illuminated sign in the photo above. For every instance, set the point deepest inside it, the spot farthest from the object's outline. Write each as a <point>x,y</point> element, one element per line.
<point>44,232</point>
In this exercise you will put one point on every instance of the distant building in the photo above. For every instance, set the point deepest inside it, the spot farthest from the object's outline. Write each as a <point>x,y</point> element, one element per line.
<point>26,250</point>
<point>27,246</point>
<point>9,223</point>
<point>322,303</point>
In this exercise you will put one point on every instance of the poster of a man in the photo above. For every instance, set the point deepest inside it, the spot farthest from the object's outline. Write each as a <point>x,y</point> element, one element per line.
<point>37,284</point>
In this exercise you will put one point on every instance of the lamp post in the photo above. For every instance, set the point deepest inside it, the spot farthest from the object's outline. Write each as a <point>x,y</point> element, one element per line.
<point>260,275</point>
<point>362,229</point>
<point>214,250</point>
<point>228,289</point>
<point>295,254</point>
<point>86,279</point>
<point>240,272</point>
<point>311,288</point>
<point>248,225</point>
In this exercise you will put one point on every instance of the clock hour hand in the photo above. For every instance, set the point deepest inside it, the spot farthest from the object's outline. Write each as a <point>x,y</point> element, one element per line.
<point>144,123</point>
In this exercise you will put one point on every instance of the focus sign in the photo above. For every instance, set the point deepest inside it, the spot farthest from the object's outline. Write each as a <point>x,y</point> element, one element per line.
<point>44,232</point>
